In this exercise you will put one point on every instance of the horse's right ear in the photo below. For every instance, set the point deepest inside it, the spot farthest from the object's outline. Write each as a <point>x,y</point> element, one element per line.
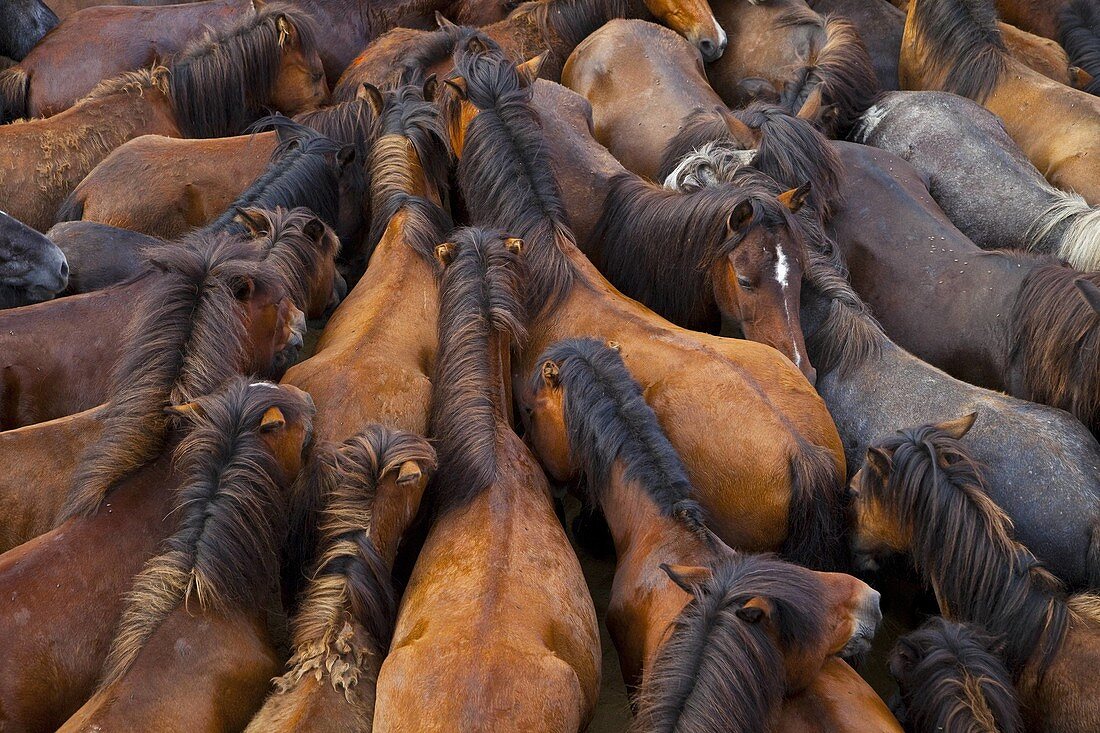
<point>369,93</point>
<point>345,156</point>
<point>442,21</point>
<point>740,217</point>
<point>253,220</point>
<point>688,577</point>
<point>1090,292</point>
<point>902,659</point>
<point>551,373</point>
<point>530,69</point>
<point>429,88</point>
<point>459,85</point>
<point>409,473</point>
<point>1080,78</point>
<point>243,287</point>
<point>755,610</point>
<point>879,460</point>
<point>188,410</point>
<point>314,229</point>
<point>958,427</point>
<point>444,253</point>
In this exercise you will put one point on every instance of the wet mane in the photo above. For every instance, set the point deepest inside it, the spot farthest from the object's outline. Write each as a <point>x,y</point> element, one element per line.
<point>608,419</point>
<point>186,337</point>
<point>231,511</point>
<point>960,40</point>
<point>223,81</point>
<point>480,297</point>
<point>1056,342</point>
<point>716,672</point>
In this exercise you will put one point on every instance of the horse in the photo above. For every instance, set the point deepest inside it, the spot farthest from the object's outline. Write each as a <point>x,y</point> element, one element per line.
<point>492,531</point>
<point>1080,35</point>
<point>49,674</point>
<point>951,677</point>
<point>65,8</point>
<point>366,490</point>
<point>99,255</point>
<point>525,175</point>
<point>32,267</point>
<point>955,46</point>
<point>110,41</point>
<point>386,327</point>
<point>871,387</point>
<point>23,23</point>
<point>879,25</point>
<point>919,492</point>
<point>207,588</point>
<point>917,127</point>
<point>218,85</point>
<point>1040,18</point>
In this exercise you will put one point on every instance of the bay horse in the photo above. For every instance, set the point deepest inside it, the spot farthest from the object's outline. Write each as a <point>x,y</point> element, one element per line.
<point>23,23</point>
<point>951,677</point>
<point>65,8</point>
<point>871,387</point>
<point>509,171</point>
<point>955,46</point>
<point>475,638</point>
<point>677,586</point>
<point>215,88</point>
<point>49,674</point>
<point>366,491</point>
<point>32,267</point>
<point>981,168</point>
<point>386,327</point>
<point>109,41</point>
<point>208,588</point>
<point>920,493</point>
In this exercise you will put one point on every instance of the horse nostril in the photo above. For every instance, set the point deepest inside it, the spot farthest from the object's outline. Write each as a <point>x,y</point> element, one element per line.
<point>64,270</point>
<point>707,47</point>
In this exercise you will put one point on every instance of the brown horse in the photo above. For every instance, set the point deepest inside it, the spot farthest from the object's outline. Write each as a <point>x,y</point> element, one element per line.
<point>48,674</point>
<point>955,46</point>
<point>496,624</point>
<point>208,589</point>
<point>103,42</point>
<point>367,491</point>
<point>693,380</point>
<point>65,8</point>
<point>217,86</point>
<point>920,493</point>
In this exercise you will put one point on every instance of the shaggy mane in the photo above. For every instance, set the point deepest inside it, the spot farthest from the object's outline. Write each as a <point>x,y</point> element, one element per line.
<point>960,41</point>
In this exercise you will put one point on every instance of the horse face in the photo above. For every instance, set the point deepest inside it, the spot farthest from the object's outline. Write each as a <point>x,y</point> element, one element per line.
<point>877,532</point>
<point>287,436</point>
<point>301,84</point>
<point>326,287</point>
<point>693,20</point>
<point>276,329</point>
<point>32,268</point>
<point>544,424</point>
<point>457,111</point>
<point>397,499</point>
<point>853,616</point>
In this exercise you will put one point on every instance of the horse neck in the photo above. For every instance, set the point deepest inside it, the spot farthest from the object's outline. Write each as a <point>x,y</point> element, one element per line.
<point>401,170</point>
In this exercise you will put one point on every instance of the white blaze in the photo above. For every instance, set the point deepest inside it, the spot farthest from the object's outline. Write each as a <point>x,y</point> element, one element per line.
<point>782,274</point>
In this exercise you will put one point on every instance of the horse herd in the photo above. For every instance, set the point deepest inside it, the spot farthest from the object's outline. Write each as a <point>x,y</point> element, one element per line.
<point>694,287</point>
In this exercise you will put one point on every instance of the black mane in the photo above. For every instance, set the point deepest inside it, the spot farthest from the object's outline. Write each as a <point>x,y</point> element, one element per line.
<point>961,40</point>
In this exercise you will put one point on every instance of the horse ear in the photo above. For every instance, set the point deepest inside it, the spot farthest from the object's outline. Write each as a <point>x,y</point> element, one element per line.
<point>1080,78</point>
<point>188,410</point>
<point>272,420</point>
<point>444,253</point>
<point>476,45</point>
<point>314,229</point>
<point>252,219</point>
<point>551,373</point>
<point>430,85</point>
<point>688,577</point>
<point>529,70</point>
<point>755,610</point>
<point>902,659</point>
<point>258,5</point>
<point>740,217</point>
<point>287,31</point>
<point>1090,292</point>
<point>796,197</point>
<point>369,93</point>
<point>738,129</point>
<point>243,287</point>
<point>812,108</point>
<point>958,427</point>
<point>345,156</point>
<point>459,85</point>
<point>442,22</point>
<point>514,245</point>
<point>615,346</point>
<point>879,460</point>
<point>409,473</point>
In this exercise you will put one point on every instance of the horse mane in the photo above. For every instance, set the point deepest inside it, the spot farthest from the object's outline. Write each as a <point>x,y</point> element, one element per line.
<point>701,126</point>
<point>1080,36</point>
<point>712,657</point>
<point>130,82</point>
<point>292,253</point>
<point>1055,339</point>
<point>185,339</point>
<point>960,40</point>
<point>608,419</point>
<point>505,175</point>
<point>480,296</point>
<point>640,221</point>
<point>223,81</point>
<point>951,678</point>
<point>571,21</point>
<point>963,543</point>
<point>232,520</point>
<point>351,584</point>
<point>345,123</point>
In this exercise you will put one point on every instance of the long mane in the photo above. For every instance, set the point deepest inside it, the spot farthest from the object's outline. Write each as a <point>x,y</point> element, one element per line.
<point>716,672</point>
<point>295,255</point>
<point>960,40</point>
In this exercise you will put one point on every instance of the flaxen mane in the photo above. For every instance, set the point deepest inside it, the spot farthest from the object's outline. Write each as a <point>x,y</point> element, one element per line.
<point>232,511</point>
<point>186,338</point>
<point>952,678</point>
<point>960,41</point>
<point>222,82</point>
<point>718,672</point>
<point>350,588</point>
<point>608,419</point>
<point>480,298</point>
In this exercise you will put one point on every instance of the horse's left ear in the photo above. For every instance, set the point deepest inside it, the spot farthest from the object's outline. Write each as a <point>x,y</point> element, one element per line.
<point>1090,292</point>
<point>345,156</point>
<point>740,217</point>
<point>958,427</point>
<point>444,253</point>
<point>369,93</point>
<point>879,460</point>
<point>287,31</point>
<point>529,70</point>
<point>796,197</point>
<point>1081,79</point>
<point>272,420</point>
<point>689,577</point>
<point>253,220</point>
<point>409,473</point>
<point>551,373</point>
<point>430,85</point>
<point>514,245</point>
<point>459,85</point>
<point>243,287</point>
<point>314,229</point>
<point>755,610</point>
<point>188,410</point>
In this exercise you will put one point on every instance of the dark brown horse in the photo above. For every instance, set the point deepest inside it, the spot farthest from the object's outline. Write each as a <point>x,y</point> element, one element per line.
<point>366,492</point>
<point>49,674</point>
<point>1080,35</point>
<point>496,624</point>
<point>99,255</point>
<point>32,268</point>
<point>23,23</point>
<point>879,25</point>
<point>920,493</point>
<point>208,588</point>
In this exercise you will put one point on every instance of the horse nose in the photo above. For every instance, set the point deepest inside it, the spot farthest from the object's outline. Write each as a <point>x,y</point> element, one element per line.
<point>872,611</point>
<point>64,271</point>
<point>709,49</point>
<point>811,376</point>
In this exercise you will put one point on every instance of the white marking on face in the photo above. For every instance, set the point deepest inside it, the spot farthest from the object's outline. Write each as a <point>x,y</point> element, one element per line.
<point>722,39</point>
<point>782,274</point>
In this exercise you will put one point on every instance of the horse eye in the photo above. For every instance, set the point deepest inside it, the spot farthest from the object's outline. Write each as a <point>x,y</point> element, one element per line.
<point>744,282</point>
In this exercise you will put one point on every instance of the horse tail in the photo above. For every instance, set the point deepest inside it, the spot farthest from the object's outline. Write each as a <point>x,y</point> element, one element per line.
<point>72,208</point>
<point>817,519</point>
<point>15,84</point>
<point>1076,226</point>
<point>1080,36</point>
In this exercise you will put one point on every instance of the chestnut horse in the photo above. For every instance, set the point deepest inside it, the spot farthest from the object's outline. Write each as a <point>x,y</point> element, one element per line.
<point>588,418</point>
<point>692,380</point>
<point>972,167</point>
<point>32,268</point>
<point>49,674</point>
<point>101,43</point>
<point>496,624</point>
<point>951,677</point>
<point>919,492</point>
<point>219,85</point>
<point>955,46</point>
<point>22,25</point>
<point>208,589</point>
<point>366,492</point>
